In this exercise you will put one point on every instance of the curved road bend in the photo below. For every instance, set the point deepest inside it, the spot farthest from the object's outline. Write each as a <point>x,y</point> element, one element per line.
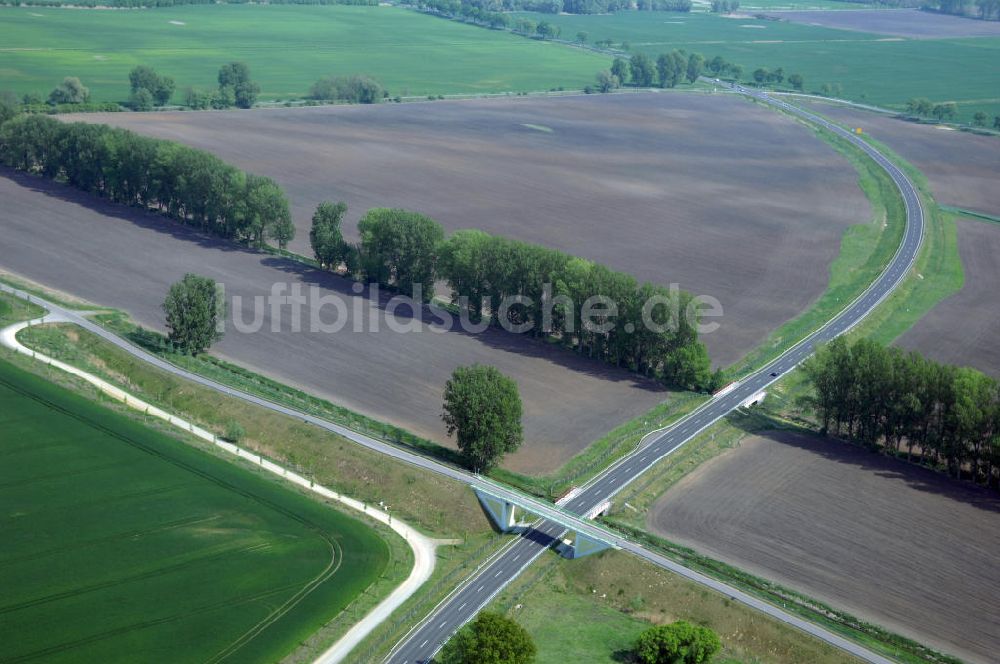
<point>425,640</point>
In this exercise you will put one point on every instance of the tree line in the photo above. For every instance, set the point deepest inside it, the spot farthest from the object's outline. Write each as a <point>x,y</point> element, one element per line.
<point>149,89</point>
<point>945,111</point>
<point>189,185</point>
<point>525,288</point>
<point>678,66</point>
<point>356,89</point>
<point>487,11</point>
<point>484,270</point>
<point>890,399</point>
<point>764,76</point>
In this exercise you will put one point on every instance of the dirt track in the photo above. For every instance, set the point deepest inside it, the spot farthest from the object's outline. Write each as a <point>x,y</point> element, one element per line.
<point>898,545</point>
<point>962,168</point>
<point>962,329</point>
<point>119,257</point>
<point>711,192</point>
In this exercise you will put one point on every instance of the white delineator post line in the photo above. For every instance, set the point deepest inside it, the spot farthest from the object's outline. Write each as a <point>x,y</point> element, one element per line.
<point>423,547</point>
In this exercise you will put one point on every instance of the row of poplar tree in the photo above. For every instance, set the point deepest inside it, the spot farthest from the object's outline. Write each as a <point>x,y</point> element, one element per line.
<point>643,327</point>
<point>189,185</point>
<point>893,399</point>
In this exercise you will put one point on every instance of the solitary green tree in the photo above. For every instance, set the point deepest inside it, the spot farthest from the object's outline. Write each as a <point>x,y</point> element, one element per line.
<point>482,408</point>
<point>70,91</point>
<point>325,237</point>
<point>796,81</point>
<point>979,119</point>
<point>160,88</point>
<point>677,643</point>
<point>192,309</point>
<point>492,638</point>
<point>235,83</point>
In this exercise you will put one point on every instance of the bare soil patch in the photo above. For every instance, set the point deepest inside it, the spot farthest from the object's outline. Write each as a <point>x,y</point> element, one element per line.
<point>962,329</point>
<point>123,258</point>
<point>962,168</point>
<point>721,196</point>
<point>910,23</point>
<point>895,544</point>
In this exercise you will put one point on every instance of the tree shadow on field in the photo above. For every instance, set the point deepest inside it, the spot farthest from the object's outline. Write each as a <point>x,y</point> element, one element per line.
<point>624,656</point>
<point>405,310</point>
<point>914,476</point>
<point>143,218</point>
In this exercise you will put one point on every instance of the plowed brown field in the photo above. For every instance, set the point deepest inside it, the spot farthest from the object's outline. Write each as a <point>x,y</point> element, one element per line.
<point>895,544</point>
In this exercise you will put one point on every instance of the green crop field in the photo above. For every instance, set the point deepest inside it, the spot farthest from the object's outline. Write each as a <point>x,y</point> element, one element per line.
<point>287,47</point>
<point>122,544</point>
<point>869,67</point>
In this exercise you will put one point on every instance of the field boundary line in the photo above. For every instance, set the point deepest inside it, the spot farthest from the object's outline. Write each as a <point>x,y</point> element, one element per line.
<point>423,547</point>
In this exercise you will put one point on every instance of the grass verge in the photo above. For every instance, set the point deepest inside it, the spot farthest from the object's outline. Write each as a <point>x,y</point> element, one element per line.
<point>30,287</point>
<point>865,250</point>
<point>14,310</point>
<point>604,601</point>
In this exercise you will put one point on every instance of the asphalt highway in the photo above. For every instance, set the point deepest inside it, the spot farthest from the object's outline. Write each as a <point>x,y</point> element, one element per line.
<point>420,645</point>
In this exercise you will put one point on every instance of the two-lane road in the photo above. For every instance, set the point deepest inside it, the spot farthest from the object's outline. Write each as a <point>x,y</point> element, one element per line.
<point>423,642</point>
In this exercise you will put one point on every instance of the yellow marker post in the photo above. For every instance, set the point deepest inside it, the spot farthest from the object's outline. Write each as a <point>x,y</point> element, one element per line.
<point>857,130</point>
